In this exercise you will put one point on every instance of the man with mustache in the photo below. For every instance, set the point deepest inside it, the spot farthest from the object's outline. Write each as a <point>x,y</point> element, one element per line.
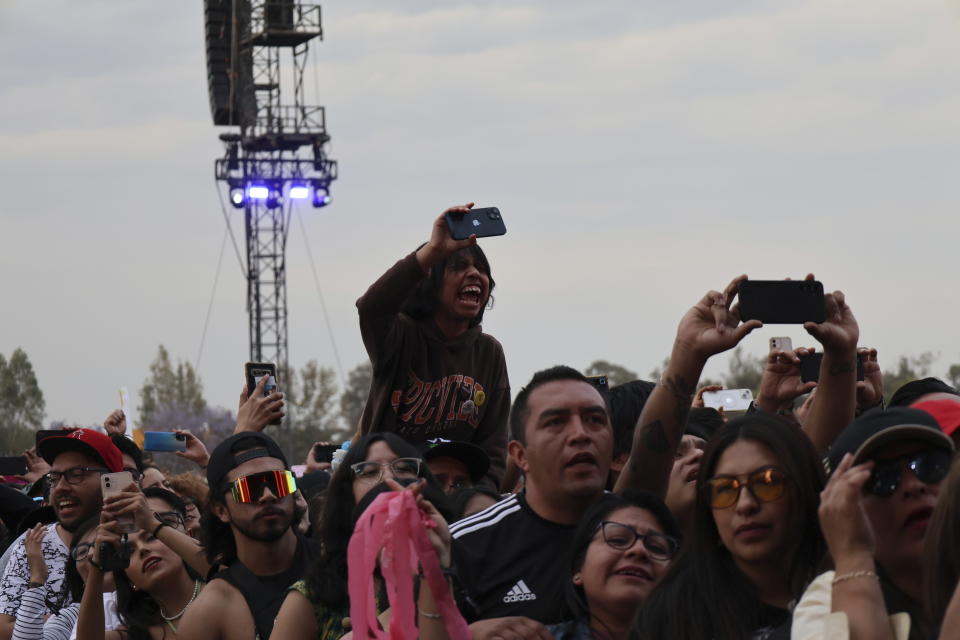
<point>77,460</point>
<point>247,527</point>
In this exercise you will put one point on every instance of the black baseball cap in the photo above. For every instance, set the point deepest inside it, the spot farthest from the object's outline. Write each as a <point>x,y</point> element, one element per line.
<point>915,389</point>
<point>473,457</point>
<point>237,449</point>
<point>877,428</point>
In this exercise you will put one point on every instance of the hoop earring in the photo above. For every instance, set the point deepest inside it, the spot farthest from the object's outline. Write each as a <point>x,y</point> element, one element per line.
<point>490,302</point>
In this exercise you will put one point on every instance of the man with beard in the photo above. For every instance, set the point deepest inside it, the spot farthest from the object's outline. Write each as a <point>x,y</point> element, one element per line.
<point>76,462</point>
<point>247,528</point>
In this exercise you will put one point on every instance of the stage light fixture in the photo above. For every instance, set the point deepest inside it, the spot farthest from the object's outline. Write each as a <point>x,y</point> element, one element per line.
<point>258,192</point>
<point>236,197</point>
<point>321,197</point>
<point>299,191</point>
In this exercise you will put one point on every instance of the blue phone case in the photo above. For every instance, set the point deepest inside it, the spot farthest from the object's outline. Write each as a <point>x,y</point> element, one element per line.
<point>163,441</point>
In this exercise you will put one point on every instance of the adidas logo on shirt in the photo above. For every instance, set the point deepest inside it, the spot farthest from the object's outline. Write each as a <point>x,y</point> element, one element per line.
<point>519,592</point>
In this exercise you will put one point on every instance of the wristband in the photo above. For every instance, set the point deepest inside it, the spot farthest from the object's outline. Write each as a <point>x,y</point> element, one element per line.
<point>428,615</point>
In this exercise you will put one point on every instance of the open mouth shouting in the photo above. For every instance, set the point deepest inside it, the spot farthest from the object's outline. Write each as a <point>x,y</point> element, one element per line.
<point>471,294</point>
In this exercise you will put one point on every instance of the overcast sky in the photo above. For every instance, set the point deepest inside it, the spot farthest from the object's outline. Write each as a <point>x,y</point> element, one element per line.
<point>642,153</point>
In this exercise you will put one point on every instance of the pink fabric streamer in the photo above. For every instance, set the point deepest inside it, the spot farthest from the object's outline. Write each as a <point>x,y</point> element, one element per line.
<point>395,524</point>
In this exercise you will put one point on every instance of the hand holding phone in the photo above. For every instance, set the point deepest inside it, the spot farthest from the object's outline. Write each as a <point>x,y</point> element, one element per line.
<point>164,441</point>
<point>112,484</point>
<point>728,399</point>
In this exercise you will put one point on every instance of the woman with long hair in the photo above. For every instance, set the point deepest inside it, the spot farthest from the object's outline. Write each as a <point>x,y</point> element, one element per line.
<point>156,586</point>
<point>315,606</point>
<point>623,545</point>
<point>435,372</point>
<point>755,543</point>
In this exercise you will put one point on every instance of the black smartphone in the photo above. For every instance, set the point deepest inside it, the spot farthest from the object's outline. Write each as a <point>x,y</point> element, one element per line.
<point>483,223</point>
<point>324,452</point>
<point>810,367</point>
<point>253,371</point>
<point>43,434</point>
<point>256,370</point>
<point>13,466</point>
<point>781,301</point>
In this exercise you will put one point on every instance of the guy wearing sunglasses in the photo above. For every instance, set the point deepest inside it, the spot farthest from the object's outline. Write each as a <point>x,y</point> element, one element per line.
<point>887,469</point>
<point>247,528</point>
<point>76,461</point>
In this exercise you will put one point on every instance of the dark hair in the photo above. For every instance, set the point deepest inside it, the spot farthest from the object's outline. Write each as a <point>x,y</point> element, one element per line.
<point>518,413</point>
<point>717,599</point>
<point>136,608</point>
<point>703,422</point>
<point>421,304</point>
<point>941,553</point>
<point>576,600</point>
<point>328,577</point>
<point>626,404</point>
<point>129,447</point>
<point>72,579</point>
<point>462,497</point>
<point>908,393</point>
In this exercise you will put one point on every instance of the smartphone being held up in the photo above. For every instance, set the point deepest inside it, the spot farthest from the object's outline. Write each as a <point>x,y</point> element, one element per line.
<point>810,367</point>
<point>164,441</point>
<point>254,371</point>
<point>781,301</point>
<point>13,466</point>
<point>483,223</point>
<point>728,399</point>
<point>324,452</point>
<point>112,484</point>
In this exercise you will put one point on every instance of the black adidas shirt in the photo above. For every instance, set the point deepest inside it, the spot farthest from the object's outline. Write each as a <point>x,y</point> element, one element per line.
<point>512,562</point>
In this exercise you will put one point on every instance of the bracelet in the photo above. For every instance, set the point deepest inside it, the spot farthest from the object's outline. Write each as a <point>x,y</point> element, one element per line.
<point>843,577</point>
<point>430,616</point>
<point>158,527</point>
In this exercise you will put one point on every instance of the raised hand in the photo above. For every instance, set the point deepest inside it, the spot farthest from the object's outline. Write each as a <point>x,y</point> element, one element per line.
<point>698,398</point>
<point>843,519</point>
<point>713,325</point>
<point>37,467</point>
<point>441,244</point>
<point>256,411</point>
<point>116,422</point>
<point>870,389</point>
<point>780,383</point>
<point>839,331</point>
<point>196,451</point>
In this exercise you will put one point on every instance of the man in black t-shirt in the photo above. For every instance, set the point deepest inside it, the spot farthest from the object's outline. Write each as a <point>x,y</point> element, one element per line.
<point>510,557</point>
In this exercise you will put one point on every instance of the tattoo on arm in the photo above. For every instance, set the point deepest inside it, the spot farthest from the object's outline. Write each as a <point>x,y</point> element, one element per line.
<point>654,437</point>
<point>843,367</point>
<point>680,388</point>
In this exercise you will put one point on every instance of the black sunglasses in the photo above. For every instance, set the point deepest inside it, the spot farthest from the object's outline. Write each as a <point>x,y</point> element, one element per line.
<point>930,467</point>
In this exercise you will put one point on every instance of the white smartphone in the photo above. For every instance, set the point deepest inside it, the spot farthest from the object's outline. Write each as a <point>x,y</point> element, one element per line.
<point>781,344</point>
<point>728,399</point>
<point>110,485</point>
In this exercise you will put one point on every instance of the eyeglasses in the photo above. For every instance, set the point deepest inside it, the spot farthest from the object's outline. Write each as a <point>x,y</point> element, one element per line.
<point>622,537</point>
<point>250,488</point>
<point>74,475</point>
<point>766,485</point>
<point>170,518</point>
<point>369,471</point>
<point>81,551</point>
<point>930,467</point>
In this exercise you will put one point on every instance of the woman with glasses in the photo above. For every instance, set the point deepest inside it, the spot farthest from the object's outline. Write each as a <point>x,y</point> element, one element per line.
<point>621,548</point>
<point>317,605</point>
<point>875,512</point>
<point>154,587</point>
<point>755,542</point>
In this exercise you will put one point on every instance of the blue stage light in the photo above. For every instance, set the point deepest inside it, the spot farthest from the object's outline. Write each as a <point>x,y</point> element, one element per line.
<point>299,191</point>
<point>258,192</point>
<point>236,197</point>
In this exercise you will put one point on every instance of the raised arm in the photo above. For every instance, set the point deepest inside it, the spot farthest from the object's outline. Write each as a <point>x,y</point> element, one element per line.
<point>710,327</point>
<point>836,398</point>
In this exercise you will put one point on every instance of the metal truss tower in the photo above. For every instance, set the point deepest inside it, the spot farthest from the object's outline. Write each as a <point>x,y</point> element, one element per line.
<point>277,155</point>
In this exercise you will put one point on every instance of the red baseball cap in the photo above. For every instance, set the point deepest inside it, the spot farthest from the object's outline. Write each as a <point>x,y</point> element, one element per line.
<point>93,443</point>
<point>946,412</point>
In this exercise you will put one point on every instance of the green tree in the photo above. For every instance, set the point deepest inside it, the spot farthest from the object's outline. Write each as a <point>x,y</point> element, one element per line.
<point>616,374</point>
<point>354,397</point>
<point>743,371</point>
<point>312,414</point>
<point>953,374</point>
<point>22,406</point>
<point>170,387</point>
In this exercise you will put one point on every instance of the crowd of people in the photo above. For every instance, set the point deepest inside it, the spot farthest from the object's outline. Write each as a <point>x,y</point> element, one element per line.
<point>569,511</point>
